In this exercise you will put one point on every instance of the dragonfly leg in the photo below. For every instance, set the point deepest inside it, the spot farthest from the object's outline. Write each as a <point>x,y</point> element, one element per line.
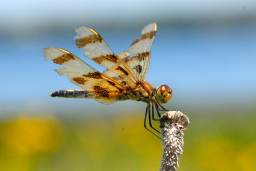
<point>153,113</point>
<point>150,120</point>
<point>147,114</point>
<point>157,110</point>
<point>162,108</point>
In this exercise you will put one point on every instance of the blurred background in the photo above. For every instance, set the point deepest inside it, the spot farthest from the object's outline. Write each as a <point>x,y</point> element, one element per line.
<point>205,50</point>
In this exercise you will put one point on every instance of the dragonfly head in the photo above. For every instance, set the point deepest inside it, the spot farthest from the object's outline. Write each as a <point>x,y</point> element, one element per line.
<point>163,93</point>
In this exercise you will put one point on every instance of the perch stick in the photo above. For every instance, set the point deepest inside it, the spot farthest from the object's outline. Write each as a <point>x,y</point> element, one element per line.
<point>172,126</point>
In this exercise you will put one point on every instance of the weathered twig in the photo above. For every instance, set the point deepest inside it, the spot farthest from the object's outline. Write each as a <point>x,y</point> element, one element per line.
<point>172,125</point>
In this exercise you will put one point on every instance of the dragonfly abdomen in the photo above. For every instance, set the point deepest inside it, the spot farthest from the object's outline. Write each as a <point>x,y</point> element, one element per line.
<point>70,94</point>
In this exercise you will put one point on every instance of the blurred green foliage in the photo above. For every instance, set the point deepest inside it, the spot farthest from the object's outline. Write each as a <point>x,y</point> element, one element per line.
<point>222,142</point>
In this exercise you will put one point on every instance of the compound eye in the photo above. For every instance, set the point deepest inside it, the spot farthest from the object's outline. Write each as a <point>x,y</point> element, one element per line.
<point>164,89</point>
<point>167,96</point>
<point>164,93</point>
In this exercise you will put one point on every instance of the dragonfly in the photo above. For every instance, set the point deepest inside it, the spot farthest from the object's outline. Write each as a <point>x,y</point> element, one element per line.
<point>123,77</point>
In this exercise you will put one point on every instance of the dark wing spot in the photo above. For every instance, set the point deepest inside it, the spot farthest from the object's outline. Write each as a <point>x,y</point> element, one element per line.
<point>102,58</point>
<point>111,83</point>
<point>114,84</point>
<point>87,40</point>
<point>143,55</point>
<point>79,80</point>
<point>124,83</point>
<point>122,70</point>
<point>95,75</point>
<point>148,35</point>
<point>138,68</point>
<point>140,57</point>
<point>101,91</point>
<point>63,58</point>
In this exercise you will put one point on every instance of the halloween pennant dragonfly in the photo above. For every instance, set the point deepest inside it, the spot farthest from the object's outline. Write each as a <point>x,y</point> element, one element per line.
<point>124,77</point>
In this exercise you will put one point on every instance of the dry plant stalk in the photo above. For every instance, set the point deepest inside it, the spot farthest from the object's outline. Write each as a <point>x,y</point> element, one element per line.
<point>172,125</point>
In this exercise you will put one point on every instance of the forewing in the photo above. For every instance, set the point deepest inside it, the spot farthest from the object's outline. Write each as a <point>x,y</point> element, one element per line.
<point>95,47</point>
<point>139,51</point>
<point>81,73</point>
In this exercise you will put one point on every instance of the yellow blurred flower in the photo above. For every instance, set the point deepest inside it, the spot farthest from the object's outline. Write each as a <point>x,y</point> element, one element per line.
<point>32,135</point>
<point>246,157</point>
<point>219,154</point>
